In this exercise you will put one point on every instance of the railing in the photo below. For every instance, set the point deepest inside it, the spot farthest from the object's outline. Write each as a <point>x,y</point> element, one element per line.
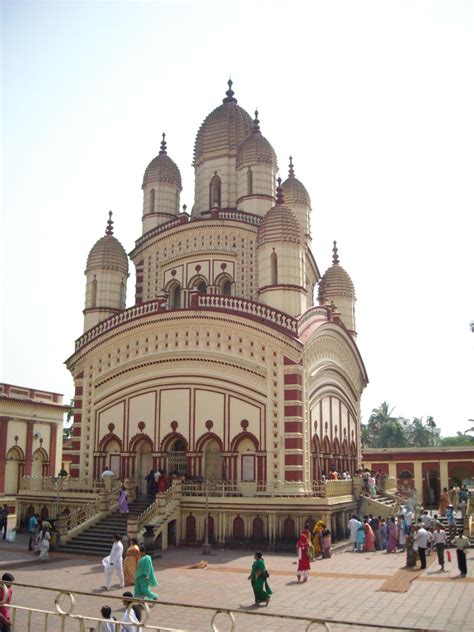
<point>239,216</point>
<point>319,312</point>
<point>282,489</point>
<point>32,619</point>
<point>182,219</point>
<point>161,501</point>
<point>52,484</point>
<point>82,514</point>
<point>251,308</point>
<point>137,311</point>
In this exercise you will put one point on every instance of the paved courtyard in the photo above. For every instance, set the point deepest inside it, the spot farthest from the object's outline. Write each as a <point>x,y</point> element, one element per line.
<point>344,588</point>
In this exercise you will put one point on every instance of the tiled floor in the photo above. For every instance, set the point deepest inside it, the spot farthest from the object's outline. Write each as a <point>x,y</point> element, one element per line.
<point>343,588</point>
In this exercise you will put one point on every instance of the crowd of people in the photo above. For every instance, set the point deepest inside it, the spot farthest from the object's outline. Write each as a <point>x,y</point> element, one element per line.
<point>402,533</point>
<point>40,536</point>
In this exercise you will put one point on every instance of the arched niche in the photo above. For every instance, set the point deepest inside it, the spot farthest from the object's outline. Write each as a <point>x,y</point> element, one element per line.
<point>13,469</point>
<point>39,462</point>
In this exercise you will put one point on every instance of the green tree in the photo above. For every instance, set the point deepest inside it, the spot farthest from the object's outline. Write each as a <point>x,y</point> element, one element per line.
<point>460,439</point>
<point>382,430</point>
<point>419,434</point>
<point>391,435</point>
<point>67,426</point>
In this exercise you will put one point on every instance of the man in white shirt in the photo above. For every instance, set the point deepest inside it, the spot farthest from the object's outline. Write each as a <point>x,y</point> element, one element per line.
<point>108,477</point>
<point>439,539</point>
<point>421,540</point>
<point>114,562</point>
<point>461,542</point>
<point>353,526</point>
<point>426,519</point>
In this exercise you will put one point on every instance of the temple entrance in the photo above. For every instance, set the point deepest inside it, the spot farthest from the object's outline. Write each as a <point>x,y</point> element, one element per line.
<point>212,461</point>
<point>176,461</point>
<point>143,465</point>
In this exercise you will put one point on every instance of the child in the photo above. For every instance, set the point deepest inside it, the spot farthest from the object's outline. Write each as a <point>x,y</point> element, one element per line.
<point>326,543</point>
<point>106,626</point>
<point>5,619</point>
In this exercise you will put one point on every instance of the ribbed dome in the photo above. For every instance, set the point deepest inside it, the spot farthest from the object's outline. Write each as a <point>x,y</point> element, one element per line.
<point>294,191</point>
<point>255,148</point>
<point>108,253</point>
<point>223,129</point>
<point>162,169</point>
<point>279,224</point>
<point>335,281</point>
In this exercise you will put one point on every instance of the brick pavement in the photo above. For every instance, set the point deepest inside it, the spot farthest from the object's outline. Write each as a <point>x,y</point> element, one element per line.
<point>343,588</point>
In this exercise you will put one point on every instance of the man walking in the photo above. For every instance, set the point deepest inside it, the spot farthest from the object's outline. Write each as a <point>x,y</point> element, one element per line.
<point>114,562</point>
<point>421,540</point>
<point>461,542</point>
<point>439,539</point>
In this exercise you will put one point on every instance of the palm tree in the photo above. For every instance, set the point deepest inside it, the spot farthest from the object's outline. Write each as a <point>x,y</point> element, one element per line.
<point>419,434</point>
<point>391,435</point>
<point>379,417</point>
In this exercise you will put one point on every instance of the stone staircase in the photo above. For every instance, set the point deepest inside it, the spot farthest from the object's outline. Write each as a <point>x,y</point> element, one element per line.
<point>97,539</point>
<point>459,527</point>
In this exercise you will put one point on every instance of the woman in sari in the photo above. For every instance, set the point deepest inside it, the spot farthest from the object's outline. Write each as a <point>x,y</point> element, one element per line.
<point>258,578</point>
<point>144,578</point>
<point>302,548</point>
<point>123,500</point>
<point>410,544</point>
<point>369,537</point>
<point>391,536</point>
<point>131,563</point>
<point>317,531</point>
<point>444,501</point>
<point>307,534</point>
<point>44,547</point>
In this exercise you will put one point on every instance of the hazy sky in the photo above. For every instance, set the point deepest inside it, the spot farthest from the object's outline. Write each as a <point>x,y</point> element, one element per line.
<point>374,100</point>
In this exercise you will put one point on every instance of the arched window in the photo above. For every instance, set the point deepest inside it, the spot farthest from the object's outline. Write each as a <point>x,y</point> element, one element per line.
<point>249,182</point>
<point>152,201</point>
<point>202,288</point>
<point>238,529</point>
<point>94,293</point>
<point>215,192</point>
<point>175,296</point>
<point>227,288</point>
<point>274,268</point>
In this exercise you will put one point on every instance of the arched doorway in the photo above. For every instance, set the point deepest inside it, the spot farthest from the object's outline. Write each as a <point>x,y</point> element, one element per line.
<point>112,459</point>
<point>257,530</point>
<point>212,461</point>
<point>190,529</point>
<point>247,461</point>
<point>143,464</point>
<point>176,458</point>
<point>39,460</point>
<point>289,530</point>
<point>238,531</point>
<point>12,470</point>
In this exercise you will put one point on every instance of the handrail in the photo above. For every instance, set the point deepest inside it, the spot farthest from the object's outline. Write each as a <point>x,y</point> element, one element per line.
<point>51,483</point>
<point>282,489</point>
<point>85,512</point>
<point>161,501</point>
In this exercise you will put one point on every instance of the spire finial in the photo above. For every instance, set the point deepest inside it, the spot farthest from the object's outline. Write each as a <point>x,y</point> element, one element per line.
<point>335,256</point>
<point>110,225</point>
<point>229,94</point>
<point>256,124</point>
<point>279,195</point>
<point>291,171</point>
<point>163,144</point>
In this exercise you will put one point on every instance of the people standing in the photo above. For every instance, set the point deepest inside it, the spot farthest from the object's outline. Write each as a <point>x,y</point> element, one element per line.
<point>353,526</point>
<point>421,541</point>
<point>461,542</point>
<point>258,577</point>
<point>44,544</point>
<point>32,524</point>
<point>369,537</point>
<point>304,566</point>
<point>5,617</point>
<point>401,532</point>
<point>123,500</point>
<point>4,520</point>
<point>145,577</point>
<point>326,544</point>
<point>439,539</point>
<point>451,520</point>
<point>374,524</point>
<point>411,548</point>
<point>391,536</point>
<point>383,533</point>
<point>151,486</point>
<point>445,500</point>
<point>113,563</point>
<point>360,538</point>
<point>317,530</point>
<point>130,565</point>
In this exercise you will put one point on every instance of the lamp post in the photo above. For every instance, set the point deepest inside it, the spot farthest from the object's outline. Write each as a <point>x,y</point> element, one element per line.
<point>206,547</point>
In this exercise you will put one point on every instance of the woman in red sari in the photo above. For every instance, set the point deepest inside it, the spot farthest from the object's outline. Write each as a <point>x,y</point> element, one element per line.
<point>369,537</point>
<point>304,566</point>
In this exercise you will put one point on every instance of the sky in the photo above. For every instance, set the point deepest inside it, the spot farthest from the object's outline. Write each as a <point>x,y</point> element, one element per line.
<point>374,101</point>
